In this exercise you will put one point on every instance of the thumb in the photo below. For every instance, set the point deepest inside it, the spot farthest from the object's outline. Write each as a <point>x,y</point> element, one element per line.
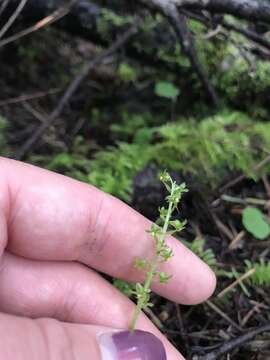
<point>42,339</point>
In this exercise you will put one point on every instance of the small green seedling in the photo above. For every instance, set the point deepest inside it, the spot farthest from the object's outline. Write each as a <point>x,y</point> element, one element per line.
<point>164,226</point>
<point>166,90</point>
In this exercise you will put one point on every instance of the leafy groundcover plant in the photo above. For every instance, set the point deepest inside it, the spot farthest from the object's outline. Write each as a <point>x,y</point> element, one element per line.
<point>163,227</point>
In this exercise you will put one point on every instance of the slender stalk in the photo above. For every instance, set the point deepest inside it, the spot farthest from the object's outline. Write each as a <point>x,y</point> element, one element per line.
<point>153,268</point>
<point>162,251</point>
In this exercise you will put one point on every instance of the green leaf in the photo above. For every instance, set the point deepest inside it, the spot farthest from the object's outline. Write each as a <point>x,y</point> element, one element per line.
<point>125,287</point>
<point>177,225</point>
<point>163,277</point>
<point>167,90</point>
<point>126,72</point>
<point>155,230</point>
<point>255,222</point>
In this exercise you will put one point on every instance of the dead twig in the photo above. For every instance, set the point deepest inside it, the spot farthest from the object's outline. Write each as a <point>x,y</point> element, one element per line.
<point>236,239</point>
<point>266,185</point>
<point>223,228</point>
<point>233,344</point>
<point>13,17</point>
<point>48,20</point>
<point>241,177</point>
<point>223,315</point>
<point>179,22</point>
<point>154,319</point>
<point>30,143</point>
<point>23,98</point>
<point>3,6</point>
<point>248,316</point>
<point>251,35</point>
<point>246,201</point>
<point>212,33</point>
<point>181,326</point>
<point>40,117</point>
<point>236,282</point>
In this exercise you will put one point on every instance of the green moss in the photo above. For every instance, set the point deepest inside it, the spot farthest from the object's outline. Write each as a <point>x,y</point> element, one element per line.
<point>113,170</point>
<point>208,149</point>
<point>227,141</point>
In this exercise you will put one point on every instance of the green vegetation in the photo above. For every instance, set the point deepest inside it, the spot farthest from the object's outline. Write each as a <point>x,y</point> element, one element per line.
<point>166,90</point>
<point>197,246</point>
<point>261,276</point>
<point>208,149</point>
<point>256,223</point>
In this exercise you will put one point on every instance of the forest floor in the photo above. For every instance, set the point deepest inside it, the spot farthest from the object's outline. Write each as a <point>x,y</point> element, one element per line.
<point>223,326</point>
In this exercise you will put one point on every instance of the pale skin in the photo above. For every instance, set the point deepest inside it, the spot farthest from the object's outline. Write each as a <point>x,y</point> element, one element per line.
<point>54,233</point>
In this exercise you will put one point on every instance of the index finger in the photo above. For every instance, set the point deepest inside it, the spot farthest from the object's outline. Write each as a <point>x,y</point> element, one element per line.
<point>52,217</point>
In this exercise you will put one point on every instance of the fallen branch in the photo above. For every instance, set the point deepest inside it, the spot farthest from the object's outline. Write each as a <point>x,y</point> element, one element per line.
<point>247,9</point>
<point>28,97</point>
<point>13,17</point>
<point>48,20</point>
<point>72,88</point>
<point>3,6</point>
<point>223,315</point>
<point>84,20</point>
<point>249,34</point>
<point>233,344</point>
<point>179,23</point>
<point>241,177</point>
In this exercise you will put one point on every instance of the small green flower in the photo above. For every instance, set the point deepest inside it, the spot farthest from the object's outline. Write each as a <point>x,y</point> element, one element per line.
<point>166,253</point>
<point>165,177</point>
<point>141,264</point>
<point>164,278</point>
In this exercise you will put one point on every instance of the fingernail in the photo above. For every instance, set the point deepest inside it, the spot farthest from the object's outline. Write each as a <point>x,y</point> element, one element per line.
<point>126,345</point>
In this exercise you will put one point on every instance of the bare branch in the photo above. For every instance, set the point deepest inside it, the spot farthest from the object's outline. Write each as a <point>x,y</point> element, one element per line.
<point>85,16</point>
<point>72,88</point>
<point>13,18</point>
<point>179,23</point>
<point>249,34</point>
<point>48,20</point>
<point>24,98</point>
<point>3,6</point>
<point>233,344</point>
<point>247,9</point>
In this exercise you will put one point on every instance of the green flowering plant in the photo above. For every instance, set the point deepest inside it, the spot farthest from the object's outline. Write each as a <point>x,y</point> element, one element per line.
<point>163,227</point>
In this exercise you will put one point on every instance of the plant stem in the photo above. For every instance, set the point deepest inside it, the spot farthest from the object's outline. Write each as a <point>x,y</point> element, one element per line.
<point>152,271</point>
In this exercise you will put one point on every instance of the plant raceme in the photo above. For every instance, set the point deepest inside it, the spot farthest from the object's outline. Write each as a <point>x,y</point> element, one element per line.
<point>163,227</point>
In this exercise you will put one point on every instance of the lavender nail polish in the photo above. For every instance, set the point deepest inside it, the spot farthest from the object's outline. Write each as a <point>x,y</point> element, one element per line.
<point>126,345</point>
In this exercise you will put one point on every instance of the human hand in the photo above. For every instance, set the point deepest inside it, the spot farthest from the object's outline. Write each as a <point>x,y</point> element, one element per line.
<point>54,231</point>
